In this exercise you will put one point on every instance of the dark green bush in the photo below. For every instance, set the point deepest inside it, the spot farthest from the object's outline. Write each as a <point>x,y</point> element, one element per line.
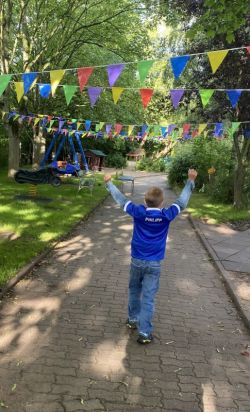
<point>115,160</point>
<point>151,165</point>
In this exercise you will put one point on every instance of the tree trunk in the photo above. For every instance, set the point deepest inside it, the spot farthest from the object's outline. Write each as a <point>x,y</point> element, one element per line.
<point>38,147</point>
<point>239,180</point>
<point>14,150</point>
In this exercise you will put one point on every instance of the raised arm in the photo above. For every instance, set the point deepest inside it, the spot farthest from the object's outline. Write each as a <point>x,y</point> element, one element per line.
<point>184,197</point>
<point>115,192</point>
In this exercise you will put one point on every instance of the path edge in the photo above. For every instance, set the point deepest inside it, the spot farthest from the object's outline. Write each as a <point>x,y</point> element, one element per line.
<point>34,262</point>
<point>222,271</point>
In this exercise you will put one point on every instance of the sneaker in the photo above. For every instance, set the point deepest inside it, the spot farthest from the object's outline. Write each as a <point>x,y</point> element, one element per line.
<point>142,339</point>
<point>131,324</point>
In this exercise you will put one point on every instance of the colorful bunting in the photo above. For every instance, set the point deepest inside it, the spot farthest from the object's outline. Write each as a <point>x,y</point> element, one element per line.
<point>234,96</point>
<point>44,90</point>
<point>206,95</point>
<point>186,128</point>
<point>163,130</point>
<point>4,81</point>
<point>94,93</point>
<point>118,128</point>
<point>130,129</point>
<point>235,126</point>
<point>176,96</point>
<point>87,125</point>
<point>37,119</point>
<point>108,128</point>
<point>248,49</point>
<point>55,78</point>
<point>216,58</point>
<point>116,92</point>
<point>29,79</point>
<point>143,69</point>
<point>19,86</point>
<point>114,71</point>
<point>171,128</point>
<point>144,129</point>
<point>69,92</point>
<point>218,129</point>
<point>83,75</point>
<point>178,65</point>
<point>146,95</point>
<point>201,128</point>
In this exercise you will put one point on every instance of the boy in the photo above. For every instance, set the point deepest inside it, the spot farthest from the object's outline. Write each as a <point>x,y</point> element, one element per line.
<point>151,223</point>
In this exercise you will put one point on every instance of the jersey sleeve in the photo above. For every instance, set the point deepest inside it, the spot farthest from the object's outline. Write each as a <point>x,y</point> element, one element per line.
<point>171,212</point>
<point>132,209</point>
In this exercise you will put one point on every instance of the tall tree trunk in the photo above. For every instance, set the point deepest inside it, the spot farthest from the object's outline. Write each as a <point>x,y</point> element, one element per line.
<point>38,147</point>
<point>239,180</point>
<point>14,150</point>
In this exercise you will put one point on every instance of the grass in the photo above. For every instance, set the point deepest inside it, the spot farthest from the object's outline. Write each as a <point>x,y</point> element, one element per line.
<point>37,225</point>
<point>201,206</point>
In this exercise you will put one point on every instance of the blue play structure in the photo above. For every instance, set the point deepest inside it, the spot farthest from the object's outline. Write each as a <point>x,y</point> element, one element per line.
<point>70,168</point>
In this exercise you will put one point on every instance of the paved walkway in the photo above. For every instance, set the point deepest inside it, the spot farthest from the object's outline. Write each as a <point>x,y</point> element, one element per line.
<point>64,346</point>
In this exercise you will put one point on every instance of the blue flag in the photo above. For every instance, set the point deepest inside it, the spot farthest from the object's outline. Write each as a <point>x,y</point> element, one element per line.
<point>87,125</point>
<point>45,90</point>
<point>163,130</point>
<point>28,80</point>
<point>234,96</point>
<point>218,129</point>
<point>178,64</point>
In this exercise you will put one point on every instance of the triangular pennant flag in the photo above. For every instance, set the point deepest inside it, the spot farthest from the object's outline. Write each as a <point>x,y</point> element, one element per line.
<point>116,92</point>
<point>101,124</point>
<point>201,128</point>
<point>97,127</point>
<point>186,128</point>
<point>248,49</point>
<point>206,95</point>
<point>178,64</point>
<point>29,79</point>
<point>78,124</point>
<point>83,74</point>
<point>195,133</point>
<point>234,96</point>
<point>216,58</point>
<point>176,96</point>
<point>171,128</point>
<point>130,129</point>
<point>36,121</point>
<point>4,81</point>
<point>146,95</point>
<point>235,126</point>
<point>156,130</point>
<point>87,124</point>
<point>44,90</point>
<point>163,130</point>
<point>114,71</point>
<point>108,128</point>
<point>94,93</point>
<point>143,69</point>
<point>144,128</point>
<point>218,129</point>
<point>69,92</point>
<point>118,128</point>
<point>19,90</point>
<point>51,123</point>
<point>55,78</point>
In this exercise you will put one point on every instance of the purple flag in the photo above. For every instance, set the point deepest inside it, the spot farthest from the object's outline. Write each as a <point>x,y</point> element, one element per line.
<point>108,128</point>
<point>94,93</point>
<point>114,71</point>
<point>171,127</point>
<point>60,125</point>
<point>176,96</point>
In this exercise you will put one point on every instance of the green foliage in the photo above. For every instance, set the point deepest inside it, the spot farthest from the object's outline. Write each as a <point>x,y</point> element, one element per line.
<point>151,147</point>
<point>116,160</point>
<point>151,165</point>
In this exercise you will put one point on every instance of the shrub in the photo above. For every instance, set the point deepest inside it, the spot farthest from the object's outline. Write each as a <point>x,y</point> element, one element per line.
<point>151,165</point>
<point>115,160</point>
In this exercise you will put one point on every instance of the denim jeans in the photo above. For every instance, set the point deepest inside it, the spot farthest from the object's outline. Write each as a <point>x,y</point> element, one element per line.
<point>143,285</point>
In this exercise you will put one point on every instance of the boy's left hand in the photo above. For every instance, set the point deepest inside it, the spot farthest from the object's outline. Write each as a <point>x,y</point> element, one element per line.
<point>107,178</point>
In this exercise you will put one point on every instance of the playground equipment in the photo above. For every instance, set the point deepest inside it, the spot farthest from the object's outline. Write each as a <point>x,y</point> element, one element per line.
<point>45,175</point>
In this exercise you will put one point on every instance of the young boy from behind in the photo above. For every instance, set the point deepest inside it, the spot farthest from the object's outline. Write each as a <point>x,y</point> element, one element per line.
<point>151,224</point>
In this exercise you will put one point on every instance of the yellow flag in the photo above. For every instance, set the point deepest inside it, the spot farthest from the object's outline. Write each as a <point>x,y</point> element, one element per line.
<point>130,129</point>
<point>55,78</point>
<point>78,124</point>
<point>36,120</point>
<point>216,58</point>
<point>19,90</point>
<point>116,92</point>
<point>101,124</point>
<point>202,127</point>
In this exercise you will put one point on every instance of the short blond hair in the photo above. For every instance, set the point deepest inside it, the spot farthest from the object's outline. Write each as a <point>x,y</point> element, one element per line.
<point>154,197</point>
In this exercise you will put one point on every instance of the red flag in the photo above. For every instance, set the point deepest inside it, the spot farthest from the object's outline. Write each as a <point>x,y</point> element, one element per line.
<point>248,49</point>
<point>118,128</point>
<point>83,75</point>
<point>146,95</point>
<point>186,128</point>
<point>195,133</point>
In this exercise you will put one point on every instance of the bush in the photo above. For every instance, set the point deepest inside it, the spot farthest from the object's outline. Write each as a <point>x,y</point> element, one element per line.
<point>151,165</point>
<point>115,160</point>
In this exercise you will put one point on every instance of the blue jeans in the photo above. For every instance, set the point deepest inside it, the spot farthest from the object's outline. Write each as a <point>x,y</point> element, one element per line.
<point>143,285</point>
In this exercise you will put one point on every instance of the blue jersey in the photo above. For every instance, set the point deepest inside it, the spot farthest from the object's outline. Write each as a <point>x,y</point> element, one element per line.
<point>150,230</point>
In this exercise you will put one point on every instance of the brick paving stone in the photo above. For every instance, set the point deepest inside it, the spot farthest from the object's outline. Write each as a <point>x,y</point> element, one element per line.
<point>63,337</point>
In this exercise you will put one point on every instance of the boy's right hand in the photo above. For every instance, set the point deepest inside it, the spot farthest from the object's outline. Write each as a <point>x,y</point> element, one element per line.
<point>107,178</point>
<point>192,174</point>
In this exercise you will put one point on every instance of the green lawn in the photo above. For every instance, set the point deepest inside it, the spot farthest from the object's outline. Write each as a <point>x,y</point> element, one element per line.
<point>38,225</point>
<point>201,206</point>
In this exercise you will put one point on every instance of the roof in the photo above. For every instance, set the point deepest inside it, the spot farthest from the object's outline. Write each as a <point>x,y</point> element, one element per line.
<point>97,152</point>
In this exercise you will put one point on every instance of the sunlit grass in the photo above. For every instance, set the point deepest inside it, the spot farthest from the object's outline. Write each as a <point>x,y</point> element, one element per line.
<point>37,225</point>
<point>201,206</point>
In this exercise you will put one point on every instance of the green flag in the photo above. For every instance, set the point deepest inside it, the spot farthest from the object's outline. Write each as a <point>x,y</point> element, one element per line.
<point>235,126</point>
<point>4,81</point>
<point>143,69</point>
<point>206,95</point>
<point>69,92</point>
<point>157,130</point>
